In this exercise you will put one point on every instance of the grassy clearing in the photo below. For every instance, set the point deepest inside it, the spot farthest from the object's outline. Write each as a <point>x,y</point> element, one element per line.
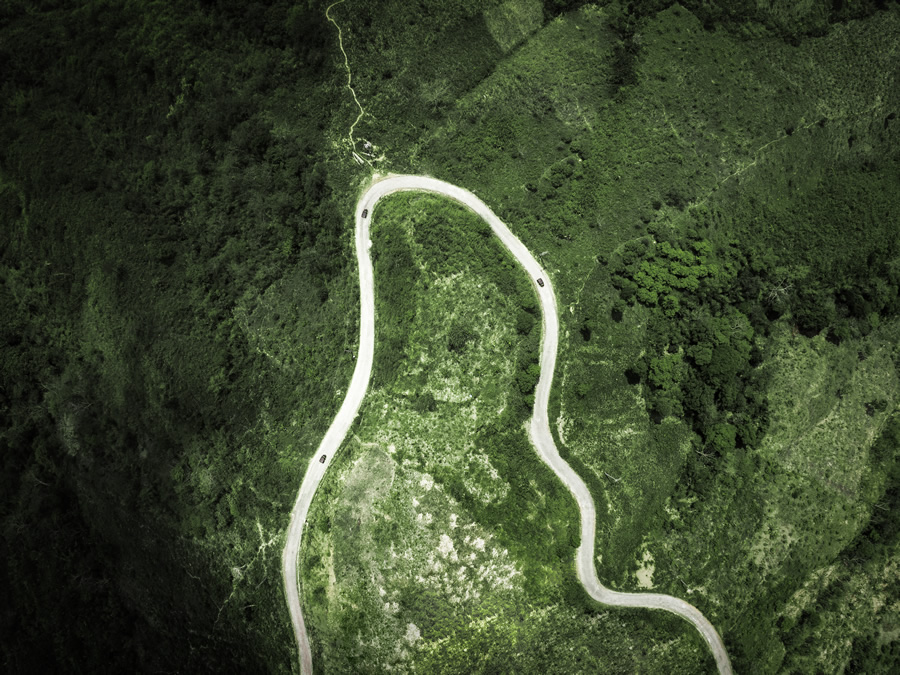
<point>511,22</point>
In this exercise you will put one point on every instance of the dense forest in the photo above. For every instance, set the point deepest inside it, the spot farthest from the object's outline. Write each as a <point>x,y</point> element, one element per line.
<point>166,223</point>
<point>715,185</point>
<point>831,268</point>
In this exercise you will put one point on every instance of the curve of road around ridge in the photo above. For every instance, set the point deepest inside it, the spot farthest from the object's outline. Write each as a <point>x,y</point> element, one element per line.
<point>539,430</point>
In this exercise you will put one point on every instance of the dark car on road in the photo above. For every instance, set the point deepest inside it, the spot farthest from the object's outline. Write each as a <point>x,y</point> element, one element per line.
<point>322,459</point>
<point>365,212</point>
<point>541,283</point>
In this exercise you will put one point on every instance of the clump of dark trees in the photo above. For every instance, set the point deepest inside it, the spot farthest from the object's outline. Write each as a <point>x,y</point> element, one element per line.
<point>829,265</point>
<point>701,352</point>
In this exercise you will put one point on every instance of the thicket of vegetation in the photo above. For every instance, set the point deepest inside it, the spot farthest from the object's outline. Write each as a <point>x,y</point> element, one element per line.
<point>448,241</point>
<point>826,263</point>
<point>441,455</point>
<point>700,349</point>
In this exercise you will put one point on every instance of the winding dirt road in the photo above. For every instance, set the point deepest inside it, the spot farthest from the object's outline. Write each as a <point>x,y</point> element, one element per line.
<point>539,430</point>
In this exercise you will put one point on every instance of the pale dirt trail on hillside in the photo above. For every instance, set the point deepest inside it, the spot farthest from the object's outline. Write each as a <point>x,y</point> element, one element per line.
<point>539,429</point>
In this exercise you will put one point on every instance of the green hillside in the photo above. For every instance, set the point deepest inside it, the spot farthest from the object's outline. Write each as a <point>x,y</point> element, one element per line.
<point>713,188</point>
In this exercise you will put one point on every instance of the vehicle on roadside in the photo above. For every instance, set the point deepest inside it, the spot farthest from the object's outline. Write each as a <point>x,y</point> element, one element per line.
<point>540,282</point>
<point>322,459</point>
<point>365,212</point>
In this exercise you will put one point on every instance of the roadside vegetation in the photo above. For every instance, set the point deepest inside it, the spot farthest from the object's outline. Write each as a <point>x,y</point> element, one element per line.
<point>440,537</point>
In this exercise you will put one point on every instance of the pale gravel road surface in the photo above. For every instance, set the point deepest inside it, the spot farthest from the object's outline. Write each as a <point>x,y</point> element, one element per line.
<point>539,430</point>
